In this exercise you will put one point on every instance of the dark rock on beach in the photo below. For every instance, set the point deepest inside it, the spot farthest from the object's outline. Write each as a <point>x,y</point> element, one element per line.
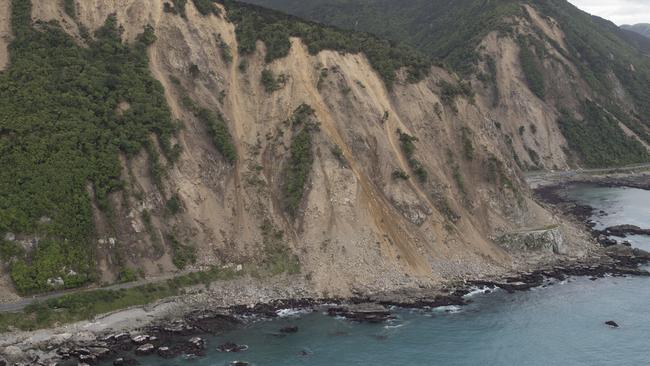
<point>232,347</point>
<point>623,231</point>
<point>363,313</point>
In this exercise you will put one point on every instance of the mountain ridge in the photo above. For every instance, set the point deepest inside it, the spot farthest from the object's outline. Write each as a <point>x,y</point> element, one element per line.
<point>641,28</point>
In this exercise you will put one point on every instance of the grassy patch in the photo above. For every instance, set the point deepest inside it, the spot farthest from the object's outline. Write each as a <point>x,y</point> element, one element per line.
<point>88,304</point>
<point>182,255</point>
<point>278,256</point>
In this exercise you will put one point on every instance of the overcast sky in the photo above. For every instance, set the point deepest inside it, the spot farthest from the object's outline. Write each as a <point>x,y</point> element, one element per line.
<point>618,11</point>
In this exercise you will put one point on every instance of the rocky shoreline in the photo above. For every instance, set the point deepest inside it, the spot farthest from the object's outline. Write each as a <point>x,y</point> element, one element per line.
<point>185,335</point>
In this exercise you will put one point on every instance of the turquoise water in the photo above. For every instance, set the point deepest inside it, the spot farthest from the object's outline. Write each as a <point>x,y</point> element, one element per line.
<point>561,324</point>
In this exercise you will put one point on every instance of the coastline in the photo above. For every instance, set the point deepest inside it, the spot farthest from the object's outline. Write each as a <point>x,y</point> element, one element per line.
<point>168,324</point>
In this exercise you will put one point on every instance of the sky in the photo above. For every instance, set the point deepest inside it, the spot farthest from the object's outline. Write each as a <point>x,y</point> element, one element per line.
<point>618,11</point>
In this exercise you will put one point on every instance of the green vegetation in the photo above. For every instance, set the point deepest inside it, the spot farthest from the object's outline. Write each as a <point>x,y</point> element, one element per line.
<point>174,205</point>
<point>216,126</point>
<point>496,173</point>
<point>88,304</point>
<point>70,8</point>
<point>443,206</point>
<point>468,145</point>
<point>591,43</point>
<point>278,256</point>
<point>449,92</point>
<point>127,275</point>
<point>270,82</point>
<point>407,142</point>
<point>220,134</point>
<point>338,154</point>
<point>448,31</point>
<point>176,7</point>
<point>182,255</point>
<point>298,167</point>
<point>60,133</point>
<point>275,28</point>
<point>532,67</point>
<point>399,174</point>
<point>206,7</point>
<point>226,53</point>
<point>598,139</point>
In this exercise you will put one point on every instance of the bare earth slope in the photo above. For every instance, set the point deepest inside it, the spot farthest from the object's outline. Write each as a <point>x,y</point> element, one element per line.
<point>358,229</point>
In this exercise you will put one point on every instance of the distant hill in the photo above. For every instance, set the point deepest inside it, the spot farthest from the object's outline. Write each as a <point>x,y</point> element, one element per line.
<point>642,28</point>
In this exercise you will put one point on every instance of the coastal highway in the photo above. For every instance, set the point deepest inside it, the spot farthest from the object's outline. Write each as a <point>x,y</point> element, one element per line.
<point>18,305</point>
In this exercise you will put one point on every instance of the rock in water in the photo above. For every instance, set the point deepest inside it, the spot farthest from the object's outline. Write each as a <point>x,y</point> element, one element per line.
<point>145,349</point>
<point>289,329</point>
<point>612,324</point>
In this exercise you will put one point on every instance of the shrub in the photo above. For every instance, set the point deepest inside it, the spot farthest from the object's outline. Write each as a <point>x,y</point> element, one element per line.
<point>206,7</point>
<point>400,174</point>
<point>70,8</point>
<point>298,168</point>
<point>338,154</point>
<point>174,204</point>
<point>532,68</point>
<point>408,147</point>
<point>127,275</point>
<point>468,145</point>
<point>182,255</point>
<point>270,82</point>
<point>219,132</point>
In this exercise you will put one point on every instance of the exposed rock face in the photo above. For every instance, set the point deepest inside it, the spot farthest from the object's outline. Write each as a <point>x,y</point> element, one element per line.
<point>546,240</point>
<point>357,228</point>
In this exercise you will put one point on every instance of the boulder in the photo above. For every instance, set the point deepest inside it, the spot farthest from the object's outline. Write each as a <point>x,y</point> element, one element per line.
<point>145,349</point>
<point>612,324</point>
<point>232,347</point>
<point>125,362</point>
<point>289,329</point>
<point>197,342</point>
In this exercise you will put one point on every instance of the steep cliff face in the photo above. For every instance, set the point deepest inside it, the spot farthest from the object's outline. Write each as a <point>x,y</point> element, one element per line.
<point>403,186</point>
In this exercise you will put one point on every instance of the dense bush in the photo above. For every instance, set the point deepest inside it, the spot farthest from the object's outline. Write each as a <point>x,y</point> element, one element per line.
<point>449,31</point>
<point>407,143</point>
<point>274,29</point>
<point>449,92</point>
<point>182,255</point>
<point>298,168</point>
<point>70,8</point>
<point>206,7</point>
<point>61,132</point>
<point>532,68</point>
<point>219,133</point>
<point>270,82</point>
<point>598,139</point>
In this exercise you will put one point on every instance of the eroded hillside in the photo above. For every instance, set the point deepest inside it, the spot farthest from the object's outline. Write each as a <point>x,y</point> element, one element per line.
<point>311,164</point>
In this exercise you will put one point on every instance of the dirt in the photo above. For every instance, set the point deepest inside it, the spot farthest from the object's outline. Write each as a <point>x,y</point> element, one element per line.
<point>358,230</point>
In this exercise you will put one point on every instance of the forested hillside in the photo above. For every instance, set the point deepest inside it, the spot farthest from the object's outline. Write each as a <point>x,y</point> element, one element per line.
<point>450,31</point>
<point>642,28</point>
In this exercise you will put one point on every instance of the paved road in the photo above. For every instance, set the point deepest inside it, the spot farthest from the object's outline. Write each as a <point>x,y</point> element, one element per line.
<point>26,301</point>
